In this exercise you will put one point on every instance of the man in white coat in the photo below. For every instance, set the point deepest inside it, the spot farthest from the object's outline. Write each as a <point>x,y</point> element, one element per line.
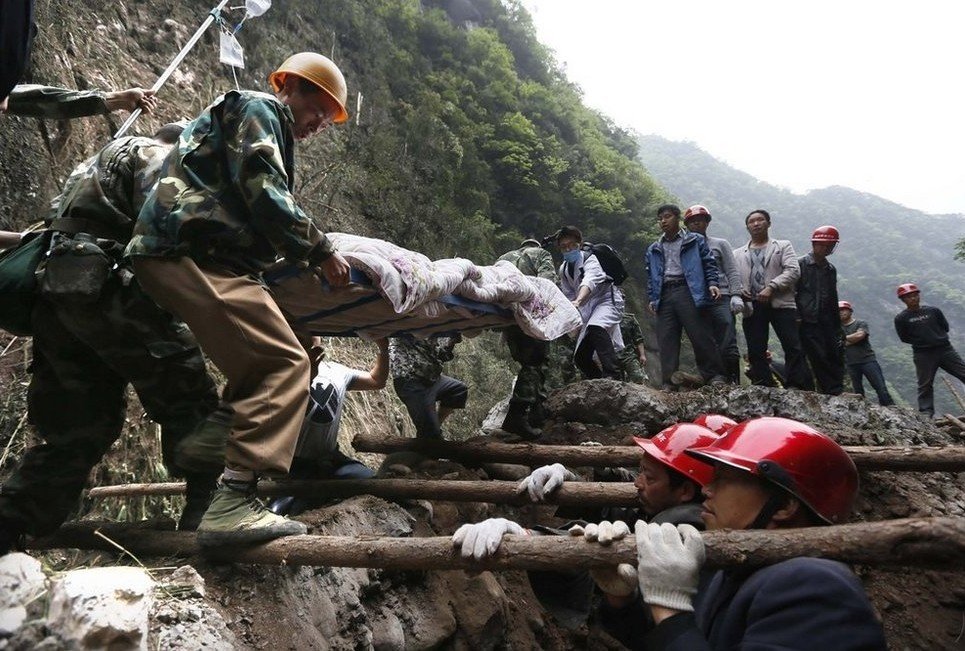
<point>600,303</point>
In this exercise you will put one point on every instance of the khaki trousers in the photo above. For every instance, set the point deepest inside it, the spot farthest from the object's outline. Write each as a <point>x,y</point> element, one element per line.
<point>242,330</point>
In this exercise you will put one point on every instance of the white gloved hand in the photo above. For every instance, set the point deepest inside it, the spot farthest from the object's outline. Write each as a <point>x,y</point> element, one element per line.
<point>736,304</point>
<point>619,581</point>
<point>668,564</point>
<point>481,540</point>
<point>544,480</point>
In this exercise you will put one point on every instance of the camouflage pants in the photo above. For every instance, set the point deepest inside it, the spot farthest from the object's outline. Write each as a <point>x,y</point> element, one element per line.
<point>560,368</point>
<point>84,356</point>
<point>533,359</point>
<point>632,369</point>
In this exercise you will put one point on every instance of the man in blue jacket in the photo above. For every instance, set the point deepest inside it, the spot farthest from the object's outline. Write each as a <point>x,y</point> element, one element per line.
<point>682,278</point>
<point>769,473</point>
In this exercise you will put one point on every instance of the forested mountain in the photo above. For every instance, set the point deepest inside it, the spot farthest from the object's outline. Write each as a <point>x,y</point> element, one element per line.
<point>465,134</point>
<point>882,245</point>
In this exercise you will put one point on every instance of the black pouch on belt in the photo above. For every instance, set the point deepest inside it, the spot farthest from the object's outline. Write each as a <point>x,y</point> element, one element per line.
<point>75,270</point>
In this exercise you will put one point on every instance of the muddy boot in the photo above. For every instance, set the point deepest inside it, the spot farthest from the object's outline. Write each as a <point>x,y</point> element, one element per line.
<point>197,492</point>
<point>237,517</point>
<point>202,451</point>
<point>517,423</point>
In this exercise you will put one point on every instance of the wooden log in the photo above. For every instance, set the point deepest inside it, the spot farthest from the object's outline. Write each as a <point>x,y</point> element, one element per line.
<point>913,542</point>
<point>957,422</point>
<point>910,459</point>
<point>583,494</point>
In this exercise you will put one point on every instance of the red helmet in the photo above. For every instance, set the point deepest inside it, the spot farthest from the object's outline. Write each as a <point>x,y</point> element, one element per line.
<point>907,288</point>
<point>669,444</point>
<point>716,423</point>
<point>845,305</point>
<point>695,211</point>
<point>793,456</point>
<point>825,234</point>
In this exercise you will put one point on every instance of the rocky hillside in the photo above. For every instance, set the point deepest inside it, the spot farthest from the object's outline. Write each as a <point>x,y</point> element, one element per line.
<point>246,607</point>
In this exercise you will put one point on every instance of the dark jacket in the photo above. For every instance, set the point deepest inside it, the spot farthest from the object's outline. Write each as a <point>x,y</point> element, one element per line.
<point>700,269</point>
<point>817,292</point>
<point>802,603</point>
<point>925,327</point>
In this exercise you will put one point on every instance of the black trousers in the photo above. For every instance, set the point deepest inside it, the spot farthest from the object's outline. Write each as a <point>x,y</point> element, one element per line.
<point>420,398</point>
<point>824,349</point>
<point>678,314</point>
<point>597,340</point>
<point>756,333</point>
<point>927,363</point>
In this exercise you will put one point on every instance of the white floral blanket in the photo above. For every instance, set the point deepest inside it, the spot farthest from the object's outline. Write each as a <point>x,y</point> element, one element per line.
<point>411,293</point>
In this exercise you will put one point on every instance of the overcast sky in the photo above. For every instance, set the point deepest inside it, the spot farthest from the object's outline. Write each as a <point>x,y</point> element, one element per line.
<point>866,94</point>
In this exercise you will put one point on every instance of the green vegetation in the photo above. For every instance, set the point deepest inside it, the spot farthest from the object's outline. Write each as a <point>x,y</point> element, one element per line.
<point>882,245</point>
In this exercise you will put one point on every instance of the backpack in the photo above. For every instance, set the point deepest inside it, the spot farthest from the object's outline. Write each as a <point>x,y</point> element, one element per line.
<point>609,260</point>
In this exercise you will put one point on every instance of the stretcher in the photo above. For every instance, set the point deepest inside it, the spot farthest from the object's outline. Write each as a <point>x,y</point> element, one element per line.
<point>313,307</point>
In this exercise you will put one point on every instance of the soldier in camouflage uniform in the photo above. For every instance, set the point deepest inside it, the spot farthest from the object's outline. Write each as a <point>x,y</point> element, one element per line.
<point>86,351</point>
<point>35,101</point>
<point>223,211</point>
<point>416,366</point>
<point>525,413</point>
<point>633,357</point>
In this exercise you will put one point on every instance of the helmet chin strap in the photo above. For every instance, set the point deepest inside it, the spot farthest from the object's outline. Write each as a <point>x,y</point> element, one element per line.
<point>771,506</point>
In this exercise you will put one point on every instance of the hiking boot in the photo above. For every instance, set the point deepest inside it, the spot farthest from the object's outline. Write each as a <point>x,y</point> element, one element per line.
<point>517,423</point>
<point>197,492</point>
<point>202,451</point>
<point>236,516</point>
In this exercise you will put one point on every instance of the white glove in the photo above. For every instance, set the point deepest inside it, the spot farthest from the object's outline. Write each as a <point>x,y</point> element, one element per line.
<point>482,539</point>
<point>619,581</point>
<point>668,564</point>
<point>544,481</point>
<point>736,304</point>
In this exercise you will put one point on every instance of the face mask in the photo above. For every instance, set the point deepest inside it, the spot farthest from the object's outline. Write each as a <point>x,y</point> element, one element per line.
<point>573,256</point>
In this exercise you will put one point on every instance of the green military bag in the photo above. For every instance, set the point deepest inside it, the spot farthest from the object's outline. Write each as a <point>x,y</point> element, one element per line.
<point>76,269</point>
<point>18,282</point>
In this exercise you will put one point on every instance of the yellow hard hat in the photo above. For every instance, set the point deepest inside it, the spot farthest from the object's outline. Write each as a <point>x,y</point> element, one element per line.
<point>318,69</point>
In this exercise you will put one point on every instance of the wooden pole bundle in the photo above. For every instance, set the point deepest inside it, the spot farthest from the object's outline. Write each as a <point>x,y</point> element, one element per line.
<point>582,494</point>
<point>909,459</point>
<point>917,542</point>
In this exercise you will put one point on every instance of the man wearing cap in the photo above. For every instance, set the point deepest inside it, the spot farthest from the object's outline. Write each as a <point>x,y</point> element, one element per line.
<point>525,414</point>
<point>223,212</point>
<point>668,489</point>
<point>926,329</point>
<point>682,278</point>
<point>817,308</point>
<point>768,473</point>
<point>724,309</point>
<point>859,356</point>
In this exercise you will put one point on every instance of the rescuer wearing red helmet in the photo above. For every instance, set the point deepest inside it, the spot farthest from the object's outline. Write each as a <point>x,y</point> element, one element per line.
<point>722,311</point>
<point>859,356</point>
<point>817,309</point>
<point>769,473</point>
<point>926,329</point>
<point>668,489</point>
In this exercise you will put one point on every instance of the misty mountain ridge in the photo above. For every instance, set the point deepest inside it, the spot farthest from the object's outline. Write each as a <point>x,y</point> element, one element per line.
<point>882,244</point>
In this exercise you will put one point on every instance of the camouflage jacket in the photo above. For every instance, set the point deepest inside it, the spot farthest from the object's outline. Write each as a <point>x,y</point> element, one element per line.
<point>225,193</point>
<point>420,359</point>
<point>33,101</point>
<point>105,193</point>
<point>532,261</point>
<point>632,334</point>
